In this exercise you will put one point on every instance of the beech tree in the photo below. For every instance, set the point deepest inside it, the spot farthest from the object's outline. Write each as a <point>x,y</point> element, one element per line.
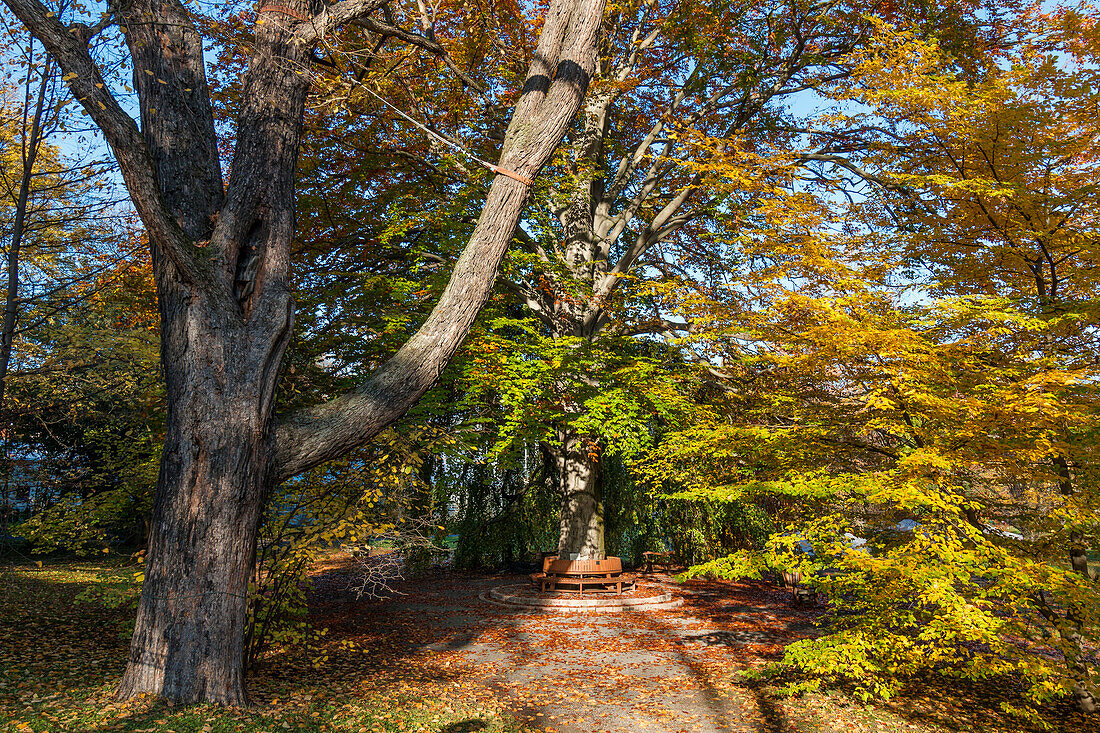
<point>220,259</point>
<point>634,209</point>
<point>682,90</point>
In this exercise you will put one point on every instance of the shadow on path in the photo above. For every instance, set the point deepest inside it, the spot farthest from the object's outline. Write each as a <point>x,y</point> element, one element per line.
<point>636,670</point>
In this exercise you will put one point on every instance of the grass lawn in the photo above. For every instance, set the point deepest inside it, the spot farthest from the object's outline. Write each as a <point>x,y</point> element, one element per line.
<point>61,658</point>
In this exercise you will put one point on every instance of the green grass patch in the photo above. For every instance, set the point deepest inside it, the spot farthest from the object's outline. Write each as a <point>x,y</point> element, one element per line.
<point>63,646</point>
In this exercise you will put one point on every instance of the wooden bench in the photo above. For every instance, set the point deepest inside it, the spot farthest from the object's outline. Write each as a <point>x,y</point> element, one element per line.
<point>604,576</point>
<point>658,558</point>
<point>803,594</point>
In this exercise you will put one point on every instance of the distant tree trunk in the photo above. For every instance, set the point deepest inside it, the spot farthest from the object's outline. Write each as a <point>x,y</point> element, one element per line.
<point>1070,624</point>
<point>577,479</point>
<point>1071,627</point>
<point>32,139</point>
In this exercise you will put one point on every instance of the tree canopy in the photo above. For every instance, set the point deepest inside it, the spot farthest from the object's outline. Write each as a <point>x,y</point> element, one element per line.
<point>784,287</point>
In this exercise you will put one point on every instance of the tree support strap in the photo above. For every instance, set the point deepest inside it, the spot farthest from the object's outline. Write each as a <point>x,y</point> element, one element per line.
<point>284,11</point>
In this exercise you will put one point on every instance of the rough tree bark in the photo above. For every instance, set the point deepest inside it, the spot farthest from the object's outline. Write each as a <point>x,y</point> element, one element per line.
<point>221,259</point>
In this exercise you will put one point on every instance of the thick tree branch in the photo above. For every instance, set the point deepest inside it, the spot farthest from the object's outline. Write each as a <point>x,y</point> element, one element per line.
<point>333,16</point>
<point>530,299</point>
<point>177,118</point>
<point>122,134</point>
<point>556,83</point>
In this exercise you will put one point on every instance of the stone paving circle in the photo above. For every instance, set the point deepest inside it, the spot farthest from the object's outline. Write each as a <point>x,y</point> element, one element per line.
<point>526,597</point>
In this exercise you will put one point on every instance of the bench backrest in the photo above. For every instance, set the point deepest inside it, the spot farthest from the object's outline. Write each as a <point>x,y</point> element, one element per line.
<point>565,567</point>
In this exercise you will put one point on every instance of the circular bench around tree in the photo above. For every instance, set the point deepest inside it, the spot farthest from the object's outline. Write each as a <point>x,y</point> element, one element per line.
<point>601,576</point>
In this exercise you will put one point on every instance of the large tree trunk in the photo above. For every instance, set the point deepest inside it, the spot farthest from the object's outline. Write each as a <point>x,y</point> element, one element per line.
<point>577,475</point>
<point>224,331</point>
<point>221,261</point>
<point>189,636</point>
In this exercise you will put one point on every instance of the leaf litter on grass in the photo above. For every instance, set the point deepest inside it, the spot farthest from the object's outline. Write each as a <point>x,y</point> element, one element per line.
<point>439,659</point>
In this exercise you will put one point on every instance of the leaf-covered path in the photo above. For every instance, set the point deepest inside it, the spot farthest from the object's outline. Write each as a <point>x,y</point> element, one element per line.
<point>672,670</point>
<point>439,660</point>
<point>659,671</point>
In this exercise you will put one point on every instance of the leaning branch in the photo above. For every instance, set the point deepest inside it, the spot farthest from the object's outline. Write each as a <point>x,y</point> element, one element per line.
<point>556,83</point>
<point>67,47</point>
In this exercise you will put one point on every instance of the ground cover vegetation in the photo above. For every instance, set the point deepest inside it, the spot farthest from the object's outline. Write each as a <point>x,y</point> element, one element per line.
<point>399,665</point>
<point>798,287</point>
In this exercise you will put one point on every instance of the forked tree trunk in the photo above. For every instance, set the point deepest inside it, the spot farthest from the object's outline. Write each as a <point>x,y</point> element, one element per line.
<point>224,331</point>
<point>221,261</point>
<point>577,474</point>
